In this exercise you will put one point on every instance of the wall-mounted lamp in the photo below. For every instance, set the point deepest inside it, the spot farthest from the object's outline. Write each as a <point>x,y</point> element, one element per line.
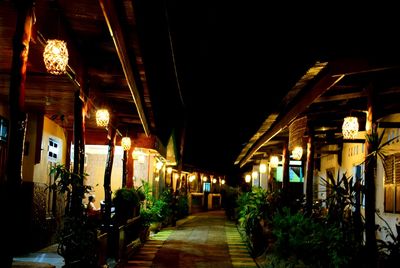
<point>297,153</point>
<point>169,170</point>
<point>263,168</point>
<point>274,161</point>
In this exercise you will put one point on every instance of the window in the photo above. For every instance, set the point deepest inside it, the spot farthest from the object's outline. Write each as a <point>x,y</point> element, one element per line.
<point>53,158</point>
<point>392,184</point>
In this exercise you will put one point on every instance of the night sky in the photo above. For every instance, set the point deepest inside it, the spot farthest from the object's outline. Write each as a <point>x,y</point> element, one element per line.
<point>236,60</point>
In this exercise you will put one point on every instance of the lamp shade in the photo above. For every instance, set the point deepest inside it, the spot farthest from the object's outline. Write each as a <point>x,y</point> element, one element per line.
<point>55,56</point>
<point>274,161</point>
<point>102,117</point>
<point>263,168</point>
<point>126,143</point>
<point>169,170</point>
<point>297,153</point>
<point>350,127</point>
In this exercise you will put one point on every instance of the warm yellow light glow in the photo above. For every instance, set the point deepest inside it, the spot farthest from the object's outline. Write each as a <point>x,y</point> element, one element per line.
<point>205,178</point>
<point>126,143</point>
<point>102,117</point>
<point>141,158</point>
<point>223,182</point>
<point>350,127</point>
<point>159,165</point>
<point>176,176</point>
<point>157,178</point>
<point>214,180</point>
<point>274,161</point>
<point>169,170</point>
<point>254,175</point>
<point>263,168</point>
<point>297,153</point>
<point>191,178</point>
<point>55,56</point>
<point>248,178</point>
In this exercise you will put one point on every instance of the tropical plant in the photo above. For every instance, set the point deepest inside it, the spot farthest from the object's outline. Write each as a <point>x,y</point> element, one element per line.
<point>389,248</point>
<point>125,200</point>
<point>78,236</point>
<point>302,240</point>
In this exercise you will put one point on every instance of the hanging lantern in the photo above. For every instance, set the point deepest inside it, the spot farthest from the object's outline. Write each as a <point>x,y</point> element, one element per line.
<point>247,178</point>
<point>263,168</point>
<point>55,56</point>
<point>274,161</point>
<point>350,128</point>
<point>297,153</point>
<point>159,165</point>
<point>102,117</point>
<point>126,143</point>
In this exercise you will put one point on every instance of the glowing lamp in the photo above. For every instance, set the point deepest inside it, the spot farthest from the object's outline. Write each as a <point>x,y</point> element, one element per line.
<point>274,161</point>
<point>350,127</point>
<point>102,117</point>
<point>214,180</point>
<point>223,182</point>
<point>263,168</point>
<point>297,153</point>
<point>169,170</point>
<point>55,56</point>
<point>126,143</point>
<point>247,178</point>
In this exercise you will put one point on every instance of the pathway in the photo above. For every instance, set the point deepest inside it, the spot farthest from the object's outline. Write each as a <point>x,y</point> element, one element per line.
<point>205,239</point>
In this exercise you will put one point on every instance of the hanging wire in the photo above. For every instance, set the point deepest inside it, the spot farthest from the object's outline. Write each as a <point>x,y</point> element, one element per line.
<point>173,54</point>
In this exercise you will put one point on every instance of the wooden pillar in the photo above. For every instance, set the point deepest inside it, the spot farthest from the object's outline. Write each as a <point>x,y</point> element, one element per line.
<point>285,167</point>
<point>370,167</point>
<point>79,154</point>
<point>10,193</point>
<point>112,133</point>
<point>124,170</point>
<point>129,169</point>
<point>310,171</point>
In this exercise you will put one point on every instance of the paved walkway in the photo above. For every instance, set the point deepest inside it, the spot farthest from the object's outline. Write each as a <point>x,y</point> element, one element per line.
<point>202,240</point>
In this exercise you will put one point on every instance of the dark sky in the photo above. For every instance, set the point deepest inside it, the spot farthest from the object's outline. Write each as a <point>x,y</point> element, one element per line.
<point>236,60</point>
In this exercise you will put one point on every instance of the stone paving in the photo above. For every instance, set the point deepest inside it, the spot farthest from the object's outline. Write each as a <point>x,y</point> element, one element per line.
<point>205,239</point>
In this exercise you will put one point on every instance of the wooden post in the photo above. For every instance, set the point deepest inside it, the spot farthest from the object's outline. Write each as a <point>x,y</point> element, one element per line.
<point>370,194</point>
<point>124,171</point>
<point>79,154</point>
<point>8,203</point>
<point>112,133</point>
<point>129,169</point>
<point>310,171</point>
<point>285,167</point>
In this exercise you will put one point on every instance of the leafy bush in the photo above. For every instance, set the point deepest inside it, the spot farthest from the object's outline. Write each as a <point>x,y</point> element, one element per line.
<point>125,201</point>
<point>302,240</point>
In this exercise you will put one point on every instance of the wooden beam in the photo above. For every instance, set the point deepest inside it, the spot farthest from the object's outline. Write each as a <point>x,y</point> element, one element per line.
<point>388,124</point>
<point>341,97</point>
<point>291,114</point>
<point>117,35</point>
